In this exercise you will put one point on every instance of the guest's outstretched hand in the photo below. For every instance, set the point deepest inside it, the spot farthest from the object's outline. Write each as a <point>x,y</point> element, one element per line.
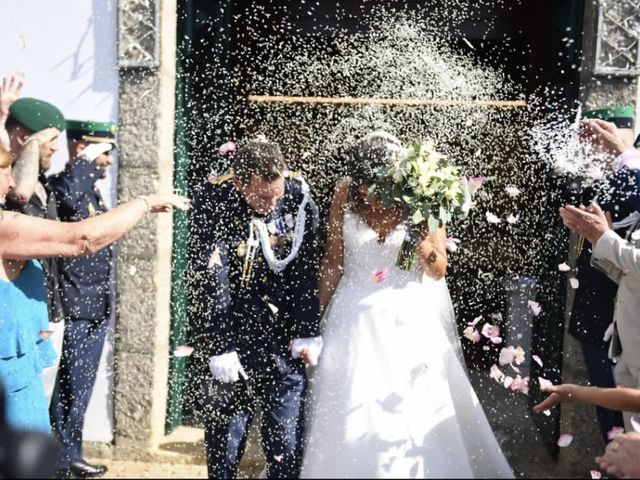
<point>166,202</point>
<point>590,222</point>
<point>559,394</point>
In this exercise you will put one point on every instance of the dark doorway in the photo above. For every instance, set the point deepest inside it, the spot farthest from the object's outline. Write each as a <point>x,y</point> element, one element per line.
<point>536,43</point>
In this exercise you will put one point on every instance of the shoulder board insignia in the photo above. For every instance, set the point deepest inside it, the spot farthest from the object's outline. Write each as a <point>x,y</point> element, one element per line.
<point>217,180</point>
<point>294,174</point>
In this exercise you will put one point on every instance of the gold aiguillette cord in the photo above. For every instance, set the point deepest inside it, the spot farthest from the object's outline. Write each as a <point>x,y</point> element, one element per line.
<point>247,267</point>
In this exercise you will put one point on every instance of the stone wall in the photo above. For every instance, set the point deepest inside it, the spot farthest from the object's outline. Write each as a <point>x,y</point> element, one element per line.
<point>144,255</point>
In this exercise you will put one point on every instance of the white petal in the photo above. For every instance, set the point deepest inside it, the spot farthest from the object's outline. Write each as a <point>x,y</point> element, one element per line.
<point>563,267</point>
<point>492,218</point>
<point>574,282</point>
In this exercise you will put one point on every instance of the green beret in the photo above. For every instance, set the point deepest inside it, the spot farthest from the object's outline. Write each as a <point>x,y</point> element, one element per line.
<point>621,115</point>
<point>35,115</point>
<point>90,131</point>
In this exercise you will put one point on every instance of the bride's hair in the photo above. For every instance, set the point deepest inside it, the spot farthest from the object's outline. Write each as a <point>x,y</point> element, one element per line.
<point>376,150</point>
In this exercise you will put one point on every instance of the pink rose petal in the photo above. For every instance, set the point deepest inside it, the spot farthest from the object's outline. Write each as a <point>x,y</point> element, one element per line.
<point>489,330</point>
<point>565,440</point>
<point>512,191</point>
<point>521,385</point>
<point>534,307</point>
<point>614,432</point>
<point>475,321</point>
<point>492,218</point>
<point>506,356</point>
<point>595,474</point>
<point>182,351</point>
<point>472,334</point>
<point>228,147</point>
<point>563,267</point>
<point>508,381</point>
<point>380,275</point>
<point>44,334</point>
<point>451,244</point>
<point>496,373</point>
<point>486,348</point>
<point>496,340</point>
<point>475,183</point>
<point>573,281</point>
<point>537,359</point>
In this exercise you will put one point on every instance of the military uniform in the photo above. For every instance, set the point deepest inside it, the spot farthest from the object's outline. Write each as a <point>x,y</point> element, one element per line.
<point>85,284</point>
<point>239,303</point>
<point>35,115</point>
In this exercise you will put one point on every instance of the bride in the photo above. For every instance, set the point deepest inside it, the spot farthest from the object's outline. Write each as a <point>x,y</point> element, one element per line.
<point>390,396</point>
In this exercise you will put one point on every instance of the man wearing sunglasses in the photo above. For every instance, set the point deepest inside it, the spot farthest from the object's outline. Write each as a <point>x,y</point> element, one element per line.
<point>85,289</point>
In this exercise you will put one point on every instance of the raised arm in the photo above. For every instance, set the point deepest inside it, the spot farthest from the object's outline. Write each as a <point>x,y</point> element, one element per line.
<point>432,252</point>
<point>332,261</point>
<point>23,237</point>
<point>621,399</point>
<point>25,173</point>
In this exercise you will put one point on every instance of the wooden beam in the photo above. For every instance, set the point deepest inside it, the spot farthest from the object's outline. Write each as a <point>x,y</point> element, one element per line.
<point>392,102</point>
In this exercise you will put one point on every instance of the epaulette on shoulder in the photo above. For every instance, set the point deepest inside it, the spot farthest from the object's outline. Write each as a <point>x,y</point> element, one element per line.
<point>294,175</point>
<point>217,180</point>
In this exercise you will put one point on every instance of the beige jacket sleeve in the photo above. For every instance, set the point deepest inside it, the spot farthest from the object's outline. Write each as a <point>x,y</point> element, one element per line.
<point>616,257</point>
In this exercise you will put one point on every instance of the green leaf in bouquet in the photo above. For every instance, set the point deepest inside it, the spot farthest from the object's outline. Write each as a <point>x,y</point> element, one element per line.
<point>433,223</point>
<point>417,216</point>
<point>407,198</point>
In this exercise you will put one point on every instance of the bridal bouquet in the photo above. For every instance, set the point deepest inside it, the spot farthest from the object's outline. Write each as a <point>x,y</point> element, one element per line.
<point>429,187</point>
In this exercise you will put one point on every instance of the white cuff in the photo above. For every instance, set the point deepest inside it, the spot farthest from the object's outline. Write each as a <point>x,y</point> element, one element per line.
<point>226,367</point>
<point>630,158</point>
<point>313,346</point>
<point>94,150</point>
<point>604,243</point>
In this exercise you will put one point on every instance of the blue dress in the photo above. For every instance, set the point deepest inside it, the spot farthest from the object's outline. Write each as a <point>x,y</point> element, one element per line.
<point>25,349</point>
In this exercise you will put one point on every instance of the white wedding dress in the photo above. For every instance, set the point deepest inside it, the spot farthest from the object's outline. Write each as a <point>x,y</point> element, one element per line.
<point>390,396</point>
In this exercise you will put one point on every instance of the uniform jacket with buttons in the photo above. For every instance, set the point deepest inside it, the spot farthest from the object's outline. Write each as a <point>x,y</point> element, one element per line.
<point>84,281</point>
<point>257,320</point>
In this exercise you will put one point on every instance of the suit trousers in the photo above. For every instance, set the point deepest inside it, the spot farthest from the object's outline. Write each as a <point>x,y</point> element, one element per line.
<point>81,351</point>
<point>600,372</point>
<point>281,398</point>
<point>627,375</point>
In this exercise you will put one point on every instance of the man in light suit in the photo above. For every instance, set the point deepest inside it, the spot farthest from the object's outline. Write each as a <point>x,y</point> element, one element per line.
<point>619,258</point>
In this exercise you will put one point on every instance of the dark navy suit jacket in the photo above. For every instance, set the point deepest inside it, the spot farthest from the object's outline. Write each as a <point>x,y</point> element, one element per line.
<point>258,320</point>
<point>84,281</point>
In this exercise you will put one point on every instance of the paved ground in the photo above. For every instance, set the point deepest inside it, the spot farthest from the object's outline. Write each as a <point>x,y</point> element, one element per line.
<point>524,443</point>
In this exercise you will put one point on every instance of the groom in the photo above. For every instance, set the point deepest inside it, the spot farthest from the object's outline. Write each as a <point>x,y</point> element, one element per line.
<point>254,310</point>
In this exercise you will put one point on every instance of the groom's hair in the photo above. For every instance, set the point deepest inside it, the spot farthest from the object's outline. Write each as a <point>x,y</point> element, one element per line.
<point>260,158</point>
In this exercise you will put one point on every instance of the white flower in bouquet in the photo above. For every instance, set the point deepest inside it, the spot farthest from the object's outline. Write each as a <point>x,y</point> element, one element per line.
<point>428,187</point>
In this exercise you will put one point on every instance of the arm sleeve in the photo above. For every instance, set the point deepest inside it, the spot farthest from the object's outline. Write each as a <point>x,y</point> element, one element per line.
<point>616,256</point>
<point>211,325</point>
<point>303,277</point>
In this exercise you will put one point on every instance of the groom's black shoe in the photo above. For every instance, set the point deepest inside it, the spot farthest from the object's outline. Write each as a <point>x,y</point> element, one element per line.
<point>82,469</point>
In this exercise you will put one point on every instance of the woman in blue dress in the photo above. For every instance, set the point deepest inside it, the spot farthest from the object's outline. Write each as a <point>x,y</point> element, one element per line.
<point>24,347</point>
